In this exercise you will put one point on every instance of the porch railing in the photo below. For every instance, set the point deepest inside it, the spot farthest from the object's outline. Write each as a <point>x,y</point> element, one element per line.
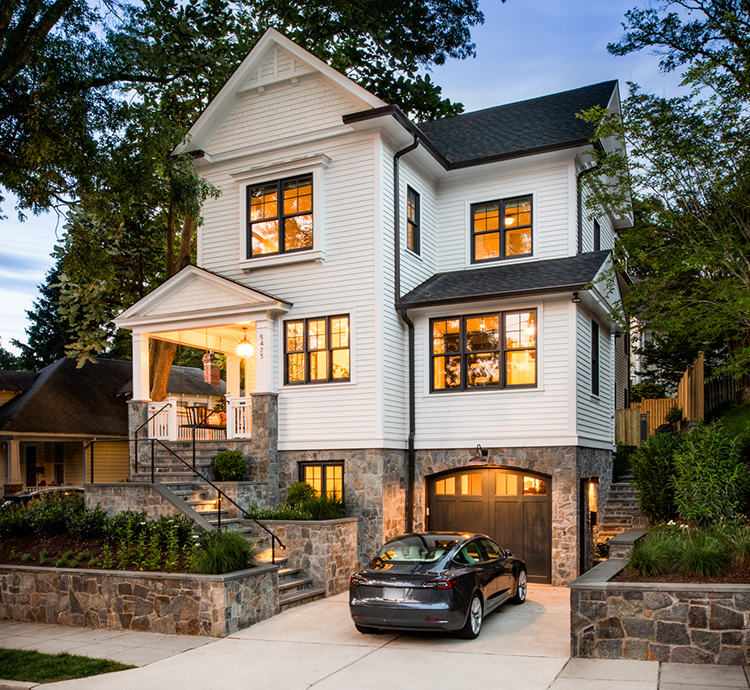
<point>168,421</point>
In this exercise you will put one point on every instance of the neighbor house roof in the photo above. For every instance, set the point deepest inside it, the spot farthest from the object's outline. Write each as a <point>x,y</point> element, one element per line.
<point>19,381</point>
<point>507,280</point>
<point>64,399</point>
<point>185,380</point>
<point>507,131</point>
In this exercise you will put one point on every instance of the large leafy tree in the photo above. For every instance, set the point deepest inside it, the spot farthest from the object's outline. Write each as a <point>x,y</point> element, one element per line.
<point>689,170</point>
<point>141,81</point>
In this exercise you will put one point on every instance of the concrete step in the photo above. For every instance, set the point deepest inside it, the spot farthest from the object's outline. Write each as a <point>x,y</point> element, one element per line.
<point>301,584</point>
<point>288,601</point>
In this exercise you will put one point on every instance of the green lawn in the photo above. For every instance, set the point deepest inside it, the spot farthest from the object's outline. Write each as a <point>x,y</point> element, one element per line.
<point>33,667</point>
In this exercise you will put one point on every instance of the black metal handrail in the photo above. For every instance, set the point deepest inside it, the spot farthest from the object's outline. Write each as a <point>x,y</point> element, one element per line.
<point>135,433</point>
<point>220,493</point>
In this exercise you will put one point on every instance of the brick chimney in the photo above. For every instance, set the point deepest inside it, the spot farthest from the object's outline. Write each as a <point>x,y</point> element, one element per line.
<point>211,371</point>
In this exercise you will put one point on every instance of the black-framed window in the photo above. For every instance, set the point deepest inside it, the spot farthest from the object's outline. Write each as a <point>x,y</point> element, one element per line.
<point>317,350</point>
<point>58,468</point>
<point>501,229</point>
<point>327,478</point>
<point>594,358</point>
<point>280,216</point>
<point>483,351</point>
<point>597,236</point>
<point>412,220</point>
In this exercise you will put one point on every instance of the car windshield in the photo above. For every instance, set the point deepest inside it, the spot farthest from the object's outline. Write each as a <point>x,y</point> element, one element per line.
<point>416,549</point>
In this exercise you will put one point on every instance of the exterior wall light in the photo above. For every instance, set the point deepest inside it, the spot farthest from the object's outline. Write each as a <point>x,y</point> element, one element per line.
<point>576,299</point>
<point>245,348</point>
<point>480,455</point>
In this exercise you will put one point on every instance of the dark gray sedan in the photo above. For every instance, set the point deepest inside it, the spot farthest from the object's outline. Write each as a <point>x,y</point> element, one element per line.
<point>435,581</point>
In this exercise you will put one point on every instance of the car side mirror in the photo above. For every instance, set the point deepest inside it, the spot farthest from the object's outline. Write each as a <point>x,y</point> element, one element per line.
<point>508,554</point>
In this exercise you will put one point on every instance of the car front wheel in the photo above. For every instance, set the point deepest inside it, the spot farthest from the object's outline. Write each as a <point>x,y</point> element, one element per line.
<point>521,587</point>
<point>473,624</point>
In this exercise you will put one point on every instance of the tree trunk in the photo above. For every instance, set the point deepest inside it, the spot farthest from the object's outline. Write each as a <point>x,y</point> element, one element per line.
<point>161,352</point>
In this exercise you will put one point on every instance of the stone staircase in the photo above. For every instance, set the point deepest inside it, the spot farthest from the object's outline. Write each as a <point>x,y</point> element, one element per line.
<point>295,587</point>
<point>168,468</point>
<point>621,511</point>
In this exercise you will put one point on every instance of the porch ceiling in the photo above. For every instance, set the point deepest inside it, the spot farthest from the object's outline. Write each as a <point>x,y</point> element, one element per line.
<point>215,338</point>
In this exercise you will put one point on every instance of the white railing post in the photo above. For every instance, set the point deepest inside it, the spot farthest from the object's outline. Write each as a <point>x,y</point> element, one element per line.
<point>172,428</point>
<point>230,417</point>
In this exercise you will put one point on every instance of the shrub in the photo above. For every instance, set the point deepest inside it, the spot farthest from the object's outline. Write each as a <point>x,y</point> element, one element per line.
<point>658,553</point>
<point>711,478</point>
<point>15,522</point>
<point>223,552</point>
<point>647,390</point>
<point>622,460</point>
<point>324,507</point>
<point>229,466</point>
<point>653,470</point>
<point>704,555</point>
<point>299,492</point>
<point>674,415</point>
<point>282,512</point>
<point>89,523</point>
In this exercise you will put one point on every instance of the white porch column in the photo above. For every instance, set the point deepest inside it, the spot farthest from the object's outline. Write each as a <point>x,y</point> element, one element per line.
<point>141,383</point>
<point>13,460</point>
<point>264,382</point>
<point>233,375</point>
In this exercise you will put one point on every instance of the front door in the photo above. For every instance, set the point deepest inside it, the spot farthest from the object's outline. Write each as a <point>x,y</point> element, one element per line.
<point>30,455</point>
<point>512,507</point>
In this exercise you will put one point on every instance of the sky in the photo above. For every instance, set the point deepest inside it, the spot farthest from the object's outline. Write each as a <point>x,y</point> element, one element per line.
<point>525,49</point>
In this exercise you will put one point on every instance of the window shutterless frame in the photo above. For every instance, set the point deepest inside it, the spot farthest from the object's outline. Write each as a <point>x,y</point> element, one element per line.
<point>465,352</point>
<point>324,477</point>
<point>317,350</point>
<point>594,358</point>
<point>413,220</point>
<point>498,224</point>
<point>280,216</point>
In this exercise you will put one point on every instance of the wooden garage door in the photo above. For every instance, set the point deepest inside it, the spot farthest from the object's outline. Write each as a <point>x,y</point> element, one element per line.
<point>511,506</point>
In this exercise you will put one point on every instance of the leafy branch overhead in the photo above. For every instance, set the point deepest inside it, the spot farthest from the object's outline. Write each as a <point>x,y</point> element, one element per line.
<point>688,170</point>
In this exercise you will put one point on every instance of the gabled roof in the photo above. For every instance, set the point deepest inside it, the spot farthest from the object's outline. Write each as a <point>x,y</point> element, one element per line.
<point>20,381</point>
<point>507,280</point>
<point>185,380</point>
<point>534,126</point>
<point>67,400</point>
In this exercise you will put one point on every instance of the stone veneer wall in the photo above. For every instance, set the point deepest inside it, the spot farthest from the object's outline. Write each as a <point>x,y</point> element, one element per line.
<point>566,465</point>
<point>114,498</point>
<point>684,623</point>
<point>374,490</point>
<point>326,550</point>
<point>207,605</point>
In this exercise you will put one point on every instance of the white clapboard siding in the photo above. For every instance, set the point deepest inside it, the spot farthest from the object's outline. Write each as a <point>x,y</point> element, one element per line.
<point>549,184</point>
<point>607,233</point>
<point>594,413</point>
<point>310,105</point>
<point>530,417</point>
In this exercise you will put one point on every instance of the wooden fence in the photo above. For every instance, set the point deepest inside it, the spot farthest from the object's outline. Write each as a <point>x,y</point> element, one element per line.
<point>628,426</point>
<point>656,409</point>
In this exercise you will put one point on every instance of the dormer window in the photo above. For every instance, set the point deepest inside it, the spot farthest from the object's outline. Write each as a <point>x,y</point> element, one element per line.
<point>280,216</point>
<point>501,229</point>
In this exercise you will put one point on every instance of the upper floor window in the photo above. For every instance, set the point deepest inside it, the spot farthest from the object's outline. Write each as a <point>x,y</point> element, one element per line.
<point>597,236</point>
<point>487,351</point>
<point>280,216</point>
<point>317,350</point>
<point>412,220</point>
<point>501,229</point>
<point>594,358</point>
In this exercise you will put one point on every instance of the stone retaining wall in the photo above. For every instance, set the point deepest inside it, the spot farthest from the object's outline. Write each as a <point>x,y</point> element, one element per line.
<point>207,605</point>
<point>326,550</point>
<point>114,498</point>
<point>684,623</point>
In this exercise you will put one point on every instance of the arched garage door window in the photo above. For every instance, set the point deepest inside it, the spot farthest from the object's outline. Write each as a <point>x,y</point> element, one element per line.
<point>511,506</point>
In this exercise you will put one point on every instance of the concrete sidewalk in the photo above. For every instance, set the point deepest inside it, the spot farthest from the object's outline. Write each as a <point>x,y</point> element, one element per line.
<point>522,647</point>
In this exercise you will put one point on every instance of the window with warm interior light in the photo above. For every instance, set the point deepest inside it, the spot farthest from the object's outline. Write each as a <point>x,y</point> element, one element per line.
<point>326,478</point>
<point>484,351</point>
<point>534,486</point>
<point>412,220</point>
<point>501,229</point>
<point>471,484</point>
<point>445,487</point>
<point>280,216</point>
<point>317,350</point>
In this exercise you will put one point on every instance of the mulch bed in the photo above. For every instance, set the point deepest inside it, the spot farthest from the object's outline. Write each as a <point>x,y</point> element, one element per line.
<point>735,575</point>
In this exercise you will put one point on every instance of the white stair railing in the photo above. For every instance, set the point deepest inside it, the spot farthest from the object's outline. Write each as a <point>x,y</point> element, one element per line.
<point>163,426</point>
<point>239,417</point>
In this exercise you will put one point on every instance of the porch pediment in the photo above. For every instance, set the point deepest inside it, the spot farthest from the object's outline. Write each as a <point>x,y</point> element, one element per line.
<point>196,297</point>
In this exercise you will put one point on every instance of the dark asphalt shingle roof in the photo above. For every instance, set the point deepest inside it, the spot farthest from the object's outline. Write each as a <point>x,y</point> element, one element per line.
<point>507,280</point>
<point>539,124</point>
<point>66,400</point>
<point>17,380</point>
<point>185,380</point>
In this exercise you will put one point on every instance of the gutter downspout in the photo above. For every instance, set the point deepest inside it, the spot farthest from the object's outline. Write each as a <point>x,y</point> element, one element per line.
<point>410,454</point>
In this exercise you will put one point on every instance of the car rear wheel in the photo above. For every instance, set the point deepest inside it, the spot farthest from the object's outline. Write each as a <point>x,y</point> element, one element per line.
<point>521,587</point>
<point>473,624</point>
<point>366,629</point>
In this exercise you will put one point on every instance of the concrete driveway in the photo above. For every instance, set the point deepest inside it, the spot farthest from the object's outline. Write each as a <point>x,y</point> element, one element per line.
<point>520,647</point>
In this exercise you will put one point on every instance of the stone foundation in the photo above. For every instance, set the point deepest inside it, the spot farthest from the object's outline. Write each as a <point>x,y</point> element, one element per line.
<point>207,605</point>
<point>326,550</point>
<point>114,498</point>
<point>682,623</point>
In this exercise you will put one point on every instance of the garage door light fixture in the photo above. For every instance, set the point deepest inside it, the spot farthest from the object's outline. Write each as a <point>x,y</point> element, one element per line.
<point>480,454</point>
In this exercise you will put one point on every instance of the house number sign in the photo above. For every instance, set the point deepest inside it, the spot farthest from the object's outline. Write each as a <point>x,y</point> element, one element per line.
<point>260,346</point>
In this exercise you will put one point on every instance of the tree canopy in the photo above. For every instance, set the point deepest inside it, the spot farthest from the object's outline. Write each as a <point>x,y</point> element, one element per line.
<point>688,167</point>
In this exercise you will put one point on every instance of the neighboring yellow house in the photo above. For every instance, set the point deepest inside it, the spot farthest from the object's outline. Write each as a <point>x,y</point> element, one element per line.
<point>53,420</point>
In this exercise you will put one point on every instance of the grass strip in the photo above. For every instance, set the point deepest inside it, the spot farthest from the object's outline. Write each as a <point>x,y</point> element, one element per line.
<point>35,667</point>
